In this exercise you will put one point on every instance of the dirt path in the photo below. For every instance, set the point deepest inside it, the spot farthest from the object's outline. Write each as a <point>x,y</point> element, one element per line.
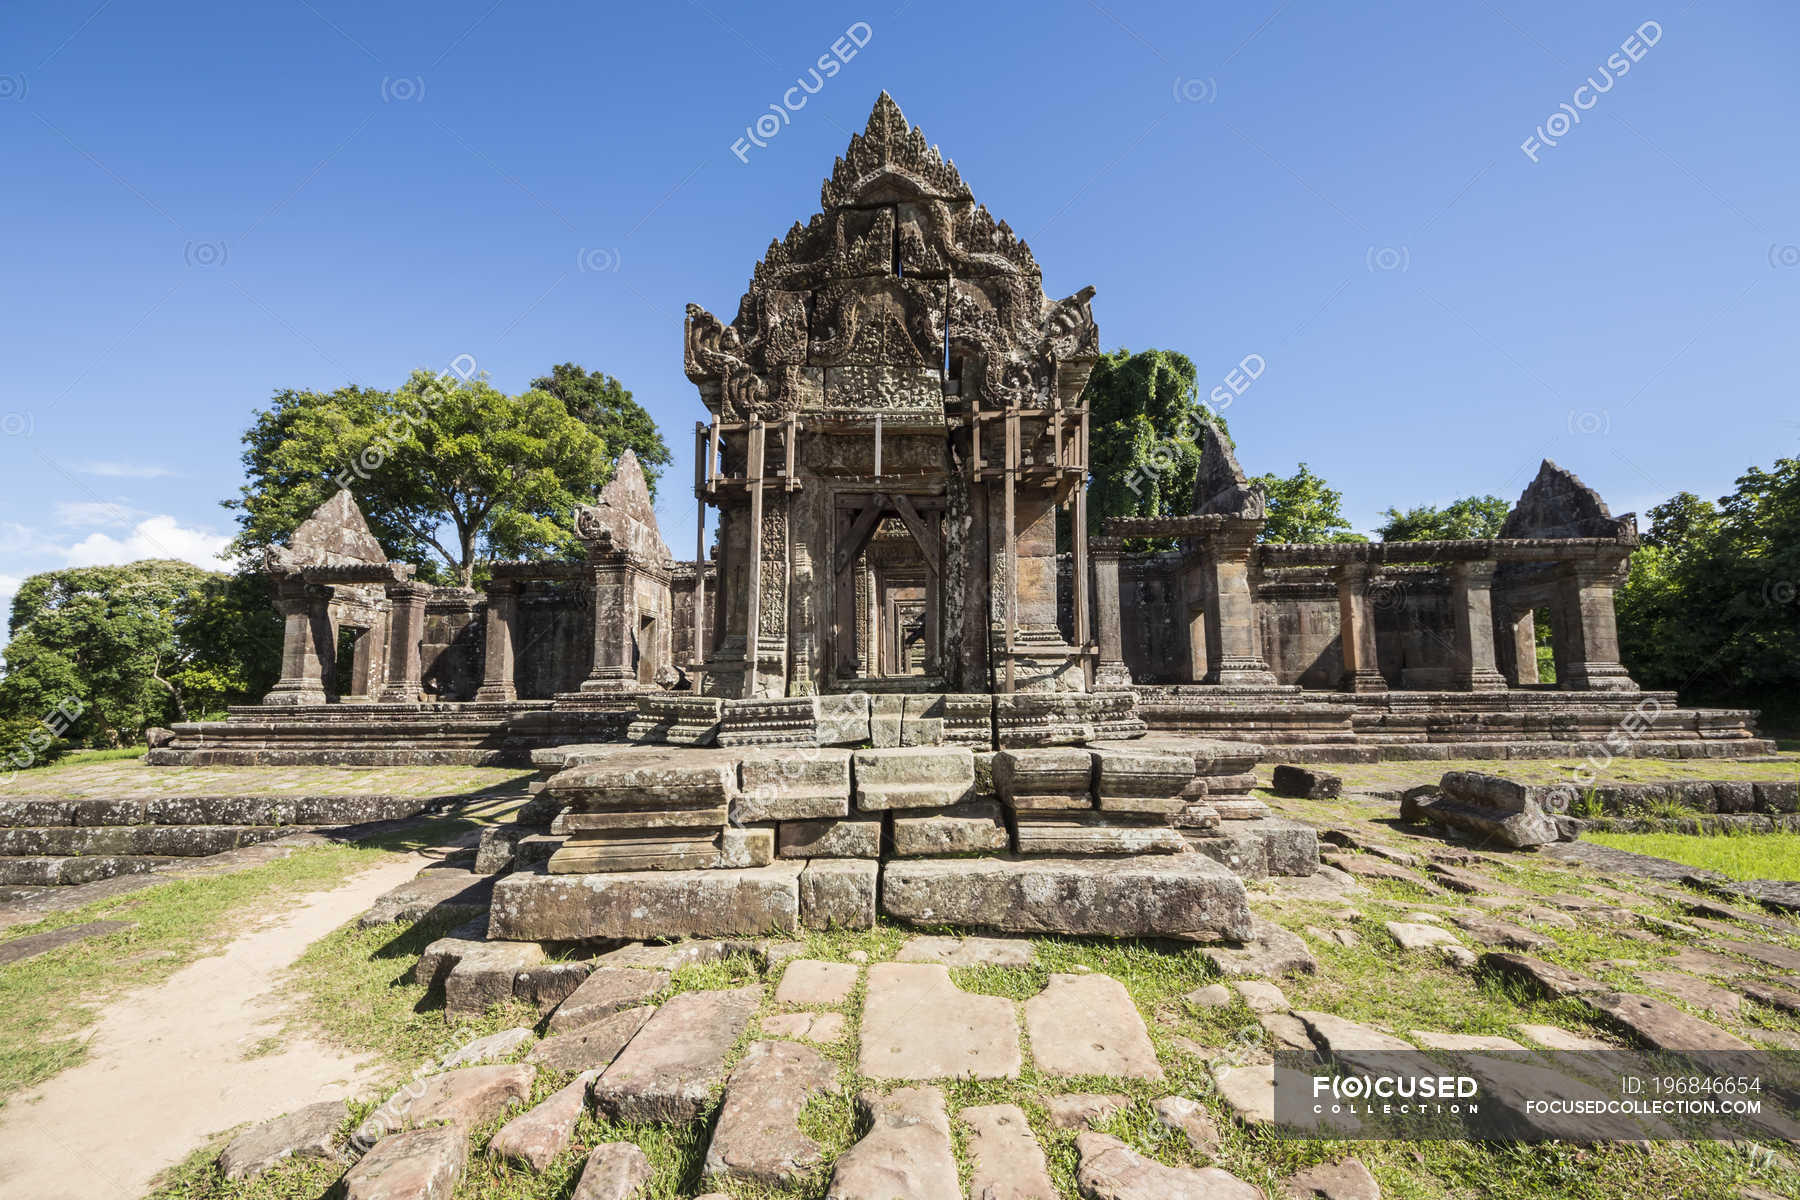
<point>165,1068</point>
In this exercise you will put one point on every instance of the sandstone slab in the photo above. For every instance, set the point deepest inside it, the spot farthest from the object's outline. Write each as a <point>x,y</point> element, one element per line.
<point>495,1047</point>
<point>1662,1026</point>
<point>974,828</point>
<point>918,1025</point>
<point>537,906</point>
<point>792,785</point>
<point>308,1132</point>
<point>669,1069</point>
<point>466,1098</point>
<point>856,837</point>
<point>1008,1163</point>
<point>592,1046</point>
<point>839,893</point>
<point>968,951</point>
<point>1554,981</point>
<point>606,990</point>
<point>1189,1118</point>
<point>1051,777</point>
<point>1088,1025</point>
<point>537,1136</point>
<point>1064,833</point>
<point>421,1165</point>
<point>757,1136</point>
<point>1083,1110</point>
<point>811,982</point>
<point>1268,949</point>
<point>1415,936</point>
<point>1346,1180</point>
<point>807,1026</point>
<point>912,777</point>
<point>1111,1170</point>
<point>485,973</point>
<point>905,1155</point>
<point>1181,896</point>
<point>613,1171</point>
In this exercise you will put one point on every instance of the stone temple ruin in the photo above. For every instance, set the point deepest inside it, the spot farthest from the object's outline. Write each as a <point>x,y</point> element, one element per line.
<point>886,689</point>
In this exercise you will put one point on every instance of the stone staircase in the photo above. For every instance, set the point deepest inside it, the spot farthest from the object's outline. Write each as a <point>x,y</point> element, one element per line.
<point>65,841</point>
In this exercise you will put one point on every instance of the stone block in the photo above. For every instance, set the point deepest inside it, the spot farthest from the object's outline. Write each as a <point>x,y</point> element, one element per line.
<point>1095,833</point>
<point>1045,778</point>
<point>305,1133</point>
<point>839,893</point>
<point>636,851</point>
<point>1134,780</point>
<point>793,785</point>
<point>424,1162</point>
<point>750,846</point>
<point>494,853</point>
<point>668,1072</point>
<point>673,779</point>
<point>1734,796</point>
<point>1777,797</point>
<point>1245,856</point>
<point>1303,783</point>
<point>985,787</point>
<point>912,777</point>
<point>648,904</point>
<point>966,829</point>
<point>484,976</point>
<point>854,838</point>
<point>1180,896</point>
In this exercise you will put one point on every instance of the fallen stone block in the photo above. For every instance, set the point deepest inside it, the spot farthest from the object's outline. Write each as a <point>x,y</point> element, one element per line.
<point>757,1135</point>
<point>668,1071</point>
<point>406,1166</point>
<point>495,1047</point>
<point>839,893</point>
<point>590,1047</point>
<point>606,990</point>
<point>1178,896</point>
<point>1548,978</point>
<point>1266,949</point>
<point>494,853</point>
<point>1304,783</point>
<point>613,1171</point>
<point>1111,1170</point>
<point>485,976</point>
<point>536,1138</point>
<point>309,1132</point>
<point>547,985</point>
<point>466,1098</point>
<point>912,777</point>
<point>449,894</point>
<point>648,904</point>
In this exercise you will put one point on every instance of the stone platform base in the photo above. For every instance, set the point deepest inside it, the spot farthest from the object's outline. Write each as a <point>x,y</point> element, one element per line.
<point>1186,896</point>
<point>1304,727</point>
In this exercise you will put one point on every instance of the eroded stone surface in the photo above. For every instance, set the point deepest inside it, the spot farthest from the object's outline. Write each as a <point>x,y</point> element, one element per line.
<point>1189,1118</point>
<point>1111,1170</point>
<point>606,990</point>
<point>484,975</point>
<point>495,1047</point>
<point>974,828</point>
<point>421,1165</point>
<point>1083,1110</point>
<point>905,1155</point>
<point>1008,1163</point>
<point>810,982</point>
<point>1346,1180</point>
<point>613,1171</point>
<point>808,1026</point>
<point>919,1025</point>
<point>1416,936</point>
<point>1088,1025</point>
<point>757,1135</point>
<point>669,1069</point>
<point>304,1133</point>
<point>1268,950</point>
<point>968,952</point>
<point>538,906</point>
<point>592,1046</point>
<point>1663,1026</point>
<point>534,1138</point>
<point>466,1098</point>
<point>852,838</point>
<point>839,893</point>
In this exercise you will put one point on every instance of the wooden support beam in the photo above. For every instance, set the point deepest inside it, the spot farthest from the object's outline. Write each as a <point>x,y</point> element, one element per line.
<point>860,533</point>
<point>712,457</point>
<point>1010,607</point>
<point>915,525</point>
<point>701,470</point>
<point>753,472</point>
<point>793,439</point>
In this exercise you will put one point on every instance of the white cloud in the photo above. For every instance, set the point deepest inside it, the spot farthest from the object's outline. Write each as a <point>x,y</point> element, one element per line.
<point>124,470</point>
<point>89,513</point>
<point>153,537</point>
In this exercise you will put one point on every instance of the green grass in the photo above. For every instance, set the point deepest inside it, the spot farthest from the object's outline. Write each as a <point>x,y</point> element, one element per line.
<point>87,758</point>
<point>1741,856</point>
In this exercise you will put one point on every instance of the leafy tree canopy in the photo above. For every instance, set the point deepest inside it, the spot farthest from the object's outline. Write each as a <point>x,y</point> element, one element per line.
<point>449,472</point>
<point>607,408</point>
<point>1470,517</point>
<point>136,645</point>
<point>1304,508</point>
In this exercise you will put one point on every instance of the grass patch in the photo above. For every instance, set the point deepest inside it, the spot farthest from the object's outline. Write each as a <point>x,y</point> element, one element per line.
<point>1740,856</point>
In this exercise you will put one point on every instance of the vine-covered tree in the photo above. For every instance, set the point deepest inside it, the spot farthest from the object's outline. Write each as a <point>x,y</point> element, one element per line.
<point>608,409</point>
<point>1144,439</point>
<point>1470,517</point>
<point>448,472</point>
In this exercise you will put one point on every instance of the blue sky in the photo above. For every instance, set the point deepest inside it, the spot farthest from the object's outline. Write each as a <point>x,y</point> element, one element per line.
<point>209,201</point>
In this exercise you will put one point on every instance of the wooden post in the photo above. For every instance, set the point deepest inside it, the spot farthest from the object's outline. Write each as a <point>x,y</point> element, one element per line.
<point>753,474</point>
<point>1083,622</point>
<point>878,445</point>
<point>702,477</point>
<point>712,456</point>
<point>1010,607</point>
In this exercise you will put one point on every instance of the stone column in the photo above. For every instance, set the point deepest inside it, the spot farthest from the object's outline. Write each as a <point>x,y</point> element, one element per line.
<point>1523,629</point>
<point>406,629</point>
<point>1356,630</point>
<point>497,669</point>
<point>1110,671</point>
<point>1472,610</point>
<point>308,648</point>
<point>615,621</point>
<point>1590,659</point>
<point>1231,618</point>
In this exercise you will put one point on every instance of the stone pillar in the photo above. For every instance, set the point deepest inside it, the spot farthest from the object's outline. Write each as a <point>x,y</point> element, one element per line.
<point>1590,658</point>
<point>406,629</point>
<point>1110,671</point>
<point>615,621</point>
<point>308,645</point>
<point>1231,618</point>
<point>1356,630</point>
<point>1472,610</point>
<point>1523,629</point>
<point>497,665</point>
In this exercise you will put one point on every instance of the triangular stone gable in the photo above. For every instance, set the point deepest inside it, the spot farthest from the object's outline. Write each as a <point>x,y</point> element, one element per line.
<point>624,516</point>
<point>1221,487</point>
<point>1558,505</point>
<point>336,535</point>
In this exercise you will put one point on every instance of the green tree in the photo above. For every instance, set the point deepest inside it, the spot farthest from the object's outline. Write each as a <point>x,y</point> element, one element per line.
<point>133,646</point>
<point>455,468</point>
<point>1304,508</point>
<point>1470,517</point>
<point>1143,444</point>
<point>607,408</point>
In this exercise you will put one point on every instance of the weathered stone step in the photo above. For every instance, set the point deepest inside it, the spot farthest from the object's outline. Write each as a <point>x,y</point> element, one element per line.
<point>213,810</point>
<point>184,841</point>
<point>52,872</point>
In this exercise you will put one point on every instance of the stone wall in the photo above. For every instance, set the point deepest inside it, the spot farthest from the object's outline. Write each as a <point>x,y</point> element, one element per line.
<point>452,650</point>
<point>555,638</point>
